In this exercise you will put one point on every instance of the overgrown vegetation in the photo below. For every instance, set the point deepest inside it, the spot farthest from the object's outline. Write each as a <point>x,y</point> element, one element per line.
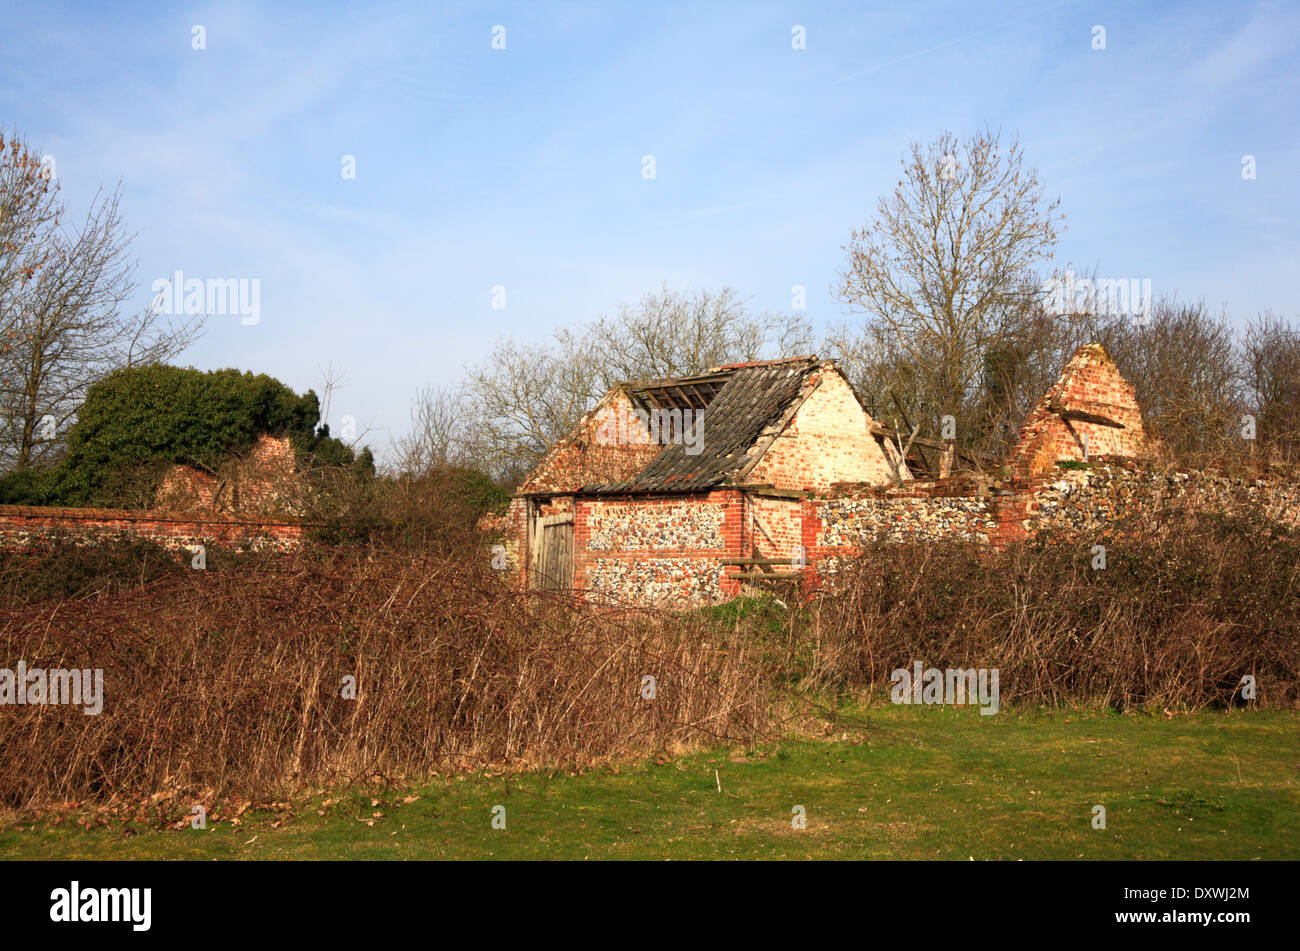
<point>225,682</point>
<point>433,511</point>
<point>1175,619</point>
<point>230,681</point>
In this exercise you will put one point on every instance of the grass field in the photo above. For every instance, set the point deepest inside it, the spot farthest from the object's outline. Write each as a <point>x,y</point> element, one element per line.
<point>926,783</point>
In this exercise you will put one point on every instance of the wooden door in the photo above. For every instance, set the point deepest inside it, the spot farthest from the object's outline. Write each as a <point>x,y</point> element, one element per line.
<point>552,552</point>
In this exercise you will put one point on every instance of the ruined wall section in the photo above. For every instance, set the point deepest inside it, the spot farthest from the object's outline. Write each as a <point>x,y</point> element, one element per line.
<point>262,482</point>
<point>609,444</point>
<point>1090,384</point>
<point>956,508</point>
<point>829,440</point>
<point>1083,500</point>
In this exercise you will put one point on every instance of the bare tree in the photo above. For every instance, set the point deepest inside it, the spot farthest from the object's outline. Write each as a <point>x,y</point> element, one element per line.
<point>524,397</point>
<point>946,274</point>
<point>61,297</point>
<point>439,435</point>
<point>1270,353</point>
<point>1183,364</point>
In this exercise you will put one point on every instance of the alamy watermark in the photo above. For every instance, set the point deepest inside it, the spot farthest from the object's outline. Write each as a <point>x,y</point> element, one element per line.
<point>216,297</point>
<point>931,685</point>
<point>36,686</point>
<point>657,427</point>
<point>1120,297</point>
<point>78,903</point>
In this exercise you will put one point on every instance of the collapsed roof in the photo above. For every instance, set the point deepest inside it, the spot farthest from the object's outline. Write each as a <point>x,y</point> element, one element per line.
<point>748,401</point>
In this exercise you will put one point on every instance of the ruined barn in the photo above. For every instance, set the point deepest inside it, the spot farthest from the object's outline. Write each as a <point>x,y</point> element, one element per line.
<point>695,489</point>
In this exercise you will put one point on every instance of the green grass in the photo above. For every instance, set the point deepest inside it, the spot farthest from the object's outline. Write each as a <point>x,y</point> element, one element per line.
<point>944,784</point>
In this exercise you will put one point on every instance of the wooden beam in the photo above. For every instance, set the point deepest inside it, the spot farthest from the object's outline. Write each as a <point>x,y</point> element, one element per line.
<point>1083,417</point>
<point>884,431</point>
<point>767,489</point>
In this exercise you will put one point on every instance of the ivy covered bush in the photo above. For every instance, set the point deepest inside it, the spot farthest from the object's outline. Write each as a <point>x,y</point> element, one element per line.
<point>139,421</point>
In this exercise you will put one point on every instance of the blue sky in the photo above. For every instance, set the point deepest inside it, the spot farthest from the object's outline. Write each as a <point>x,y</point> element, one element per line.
<point>522,167</point>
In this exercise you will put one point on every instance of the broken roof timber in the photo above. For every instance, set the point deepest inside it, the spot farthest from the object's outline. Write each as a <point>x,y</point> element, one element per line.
<point>1084,417</point>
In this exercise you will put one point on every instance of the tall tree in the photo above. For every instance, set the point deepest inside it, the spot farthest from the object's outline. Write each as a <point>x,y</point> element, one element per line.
<point>946,274</point>
<point>1183,364</point>
<point>62,290</point>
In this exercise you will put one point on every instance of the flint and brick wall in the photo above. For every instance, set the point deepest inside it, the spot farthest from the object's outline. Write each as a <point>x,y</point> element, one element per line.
<point>664,550</point>
<point>21,526</point>
<point>922,514</point>
<point>1083,500</point>
<point>957,509</point>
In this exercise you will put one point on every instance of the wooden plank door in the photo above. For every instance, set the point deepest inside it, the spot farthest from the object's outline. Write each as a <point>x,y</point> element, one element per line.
<point>552,552</point>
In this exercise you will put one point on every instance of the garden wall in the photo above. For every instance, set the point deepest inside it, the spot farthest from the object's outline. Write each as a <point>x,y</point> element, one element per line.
<point>25,525</point>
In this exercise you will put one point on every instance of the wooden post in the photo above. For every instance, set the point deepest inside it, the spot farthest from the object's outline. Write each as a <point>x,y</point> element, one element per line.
<point>946,459</point>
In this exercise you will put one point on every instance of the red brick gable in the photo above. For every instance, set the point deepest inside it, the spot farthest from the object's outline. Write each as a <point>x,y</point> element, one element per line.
<point>609,444</point>
<point>262,481</point>
<point>1081,409</point>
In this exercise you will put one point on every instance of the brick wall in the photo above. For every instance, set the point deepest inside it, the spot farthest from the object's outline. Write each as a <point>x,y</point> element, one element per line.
<point>828,441</point>
<point>24,525</point>
<point>510,531</point>
<point>1090,384</point>
<point>777,527</point>
<point>669,550</point>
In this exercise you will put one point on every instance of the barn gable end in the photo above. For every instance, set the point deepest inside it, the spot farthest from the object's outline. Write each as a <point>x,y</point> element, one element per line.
<point>828,440</point>
<point>1090,406</point>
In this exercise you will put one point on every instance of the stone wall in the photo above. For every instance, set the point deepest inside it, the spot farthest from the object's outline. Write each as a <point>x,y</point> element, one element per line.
<point>665,550</point>
<point>25,525</point>
<point>670,550</point>
<point>662,581</point>
<point>1078,500</point>
<point>848,522</point>
<point>642,525</point>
